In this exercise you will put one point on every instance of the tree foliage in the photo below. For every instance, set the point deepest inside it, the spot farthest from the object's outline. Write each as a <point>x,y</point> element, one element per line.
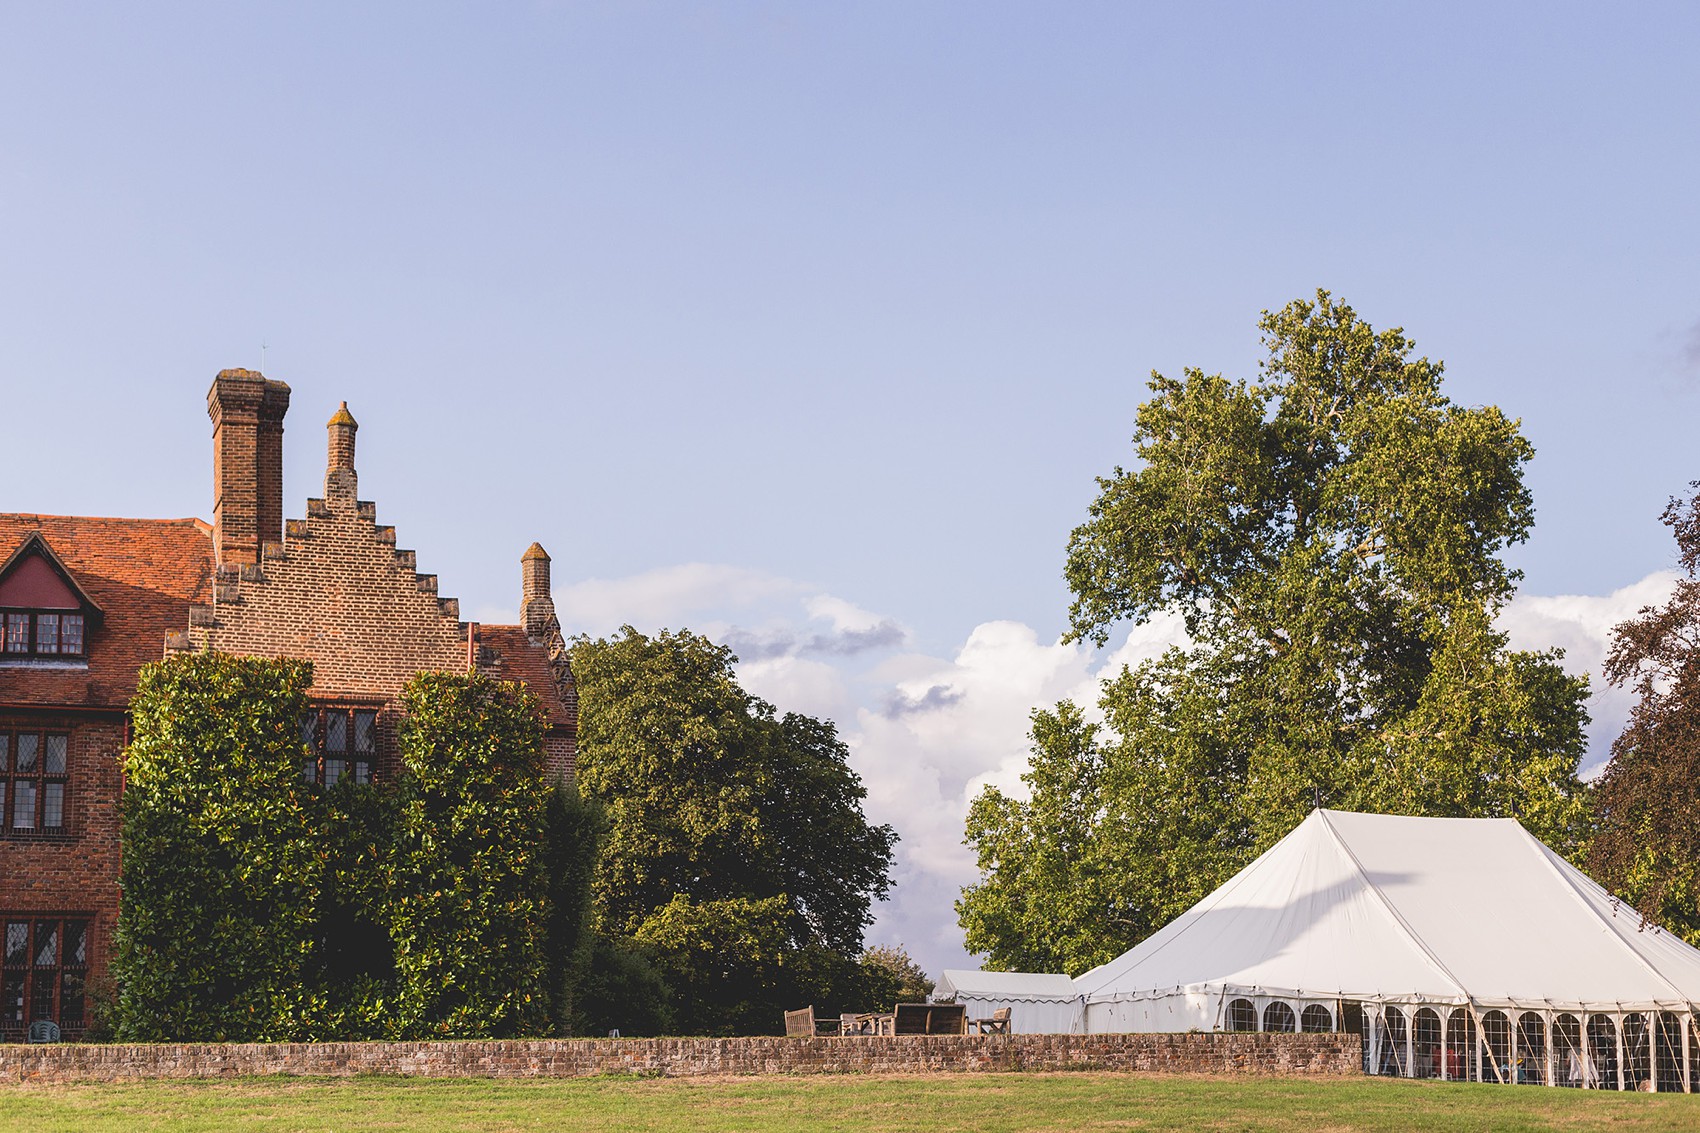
<point>221,872</point>
<point>469,914</point>
<point>891,975</point>
<point>448,902</point>
<point>738,858</point>
<point>1646,845</point>
<point>573,829</point>
<point>1331,535</point>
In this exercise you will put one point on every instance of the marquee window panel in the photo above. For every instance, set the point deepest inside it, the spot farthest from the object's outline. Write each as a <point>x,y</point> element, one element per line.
<point>1569,1056</point>
<point>1316,1020</point>
<point>1460,1058</point>
<point>1694,1054</point>
<point>1393,1035</point>
<point>1637,1053</point>
<point>1667,1052</point>
<point>1242,1016</point>
<point>1425,1044</point>
<point>1279,1018</point>
<point>1531,1049</point>
<point>1496,1041</point>
<point>1602,1051</point>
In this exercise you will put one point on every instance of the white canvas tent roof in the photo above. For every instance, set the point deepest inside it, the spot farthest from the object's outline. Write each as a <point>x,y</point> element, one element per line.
<point>1386,908</point>
<point>1015,986</point>
<point>1037,1004</point>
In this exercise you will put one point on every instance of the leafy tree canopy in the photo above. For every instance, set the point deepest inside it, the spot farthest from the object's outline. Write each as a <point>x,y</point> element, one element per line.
<point>1646,846</point>
<point>737,852</point>
<point>893,976</point>
<point>1331,535</point>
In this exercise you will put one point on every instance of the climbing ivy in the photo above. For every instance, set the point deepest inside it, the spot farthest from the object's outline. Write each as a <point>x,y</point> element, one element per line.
<point>448,902</point>
<point>221,861</point>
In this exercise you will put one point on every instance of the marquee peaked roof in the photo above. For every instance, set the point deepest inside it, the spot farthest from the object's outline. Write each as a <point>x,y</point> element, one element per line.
<point>1391,908</point>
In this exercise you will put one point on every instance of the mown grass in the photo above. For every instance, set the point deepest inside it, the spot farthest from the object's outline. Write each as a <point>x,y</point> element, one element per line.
<point>990,1103</point>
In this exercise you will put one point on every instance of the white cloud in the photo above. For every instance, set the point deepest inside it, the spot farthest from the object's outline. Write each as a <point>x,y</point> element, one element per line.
<point>796,684</point>
<point>846,617</point>
<point>1581,625</point>
<point>930,737</point>
<point>669,597</point>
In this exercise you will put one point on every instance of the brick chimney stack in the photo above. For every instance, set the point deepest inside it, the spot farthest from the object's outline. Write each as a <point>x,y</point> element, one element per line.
<point>536,607</point>
<point>341,483</point>
<point>247,416</point>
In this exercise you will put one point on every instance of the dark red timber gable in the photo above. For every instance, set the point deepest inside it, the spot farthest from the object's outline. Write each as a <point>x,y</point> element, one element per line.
<point>331,587</point>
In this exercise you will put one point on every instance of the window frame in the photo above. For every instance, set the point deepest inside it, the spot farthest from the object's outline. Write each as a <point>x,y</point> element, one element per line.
<point>315,766</point>
<point>32,644</point>
<point>39,780</point>
<point>23,979</point>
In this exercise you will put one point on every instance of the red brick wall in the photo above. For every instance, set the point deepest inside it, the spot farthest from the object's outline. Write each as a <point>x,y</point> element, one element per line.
<point>77,871</point>
<point>338,593</point>
<point>1290,1056</point>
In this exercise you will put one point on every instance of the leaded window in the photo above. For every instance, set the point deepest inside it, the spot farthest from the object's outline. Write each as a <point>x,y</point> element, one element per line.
<point>43,971</point>
<point>34,775</point>
<point>51,634</point>
<point>341,743</point>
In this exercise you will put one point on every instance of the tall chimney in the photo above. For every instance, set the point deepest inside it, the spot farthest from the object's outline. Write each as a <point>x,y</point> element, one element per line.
<point>341,483</point>
<point>536,607</point>
<point>247,416</point>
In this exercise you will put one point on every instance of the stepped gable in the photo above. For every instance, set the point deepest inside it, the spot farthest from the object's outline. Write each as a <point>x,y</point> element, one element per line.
<point>337,592</point>
<point>143,574</point>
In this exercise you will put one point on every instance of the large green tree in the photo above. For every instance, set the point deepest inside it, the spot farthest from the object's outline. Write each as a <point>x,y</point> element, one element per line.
<point>1646,846</point>
<point>1331,535</point>
<point>738,857</point>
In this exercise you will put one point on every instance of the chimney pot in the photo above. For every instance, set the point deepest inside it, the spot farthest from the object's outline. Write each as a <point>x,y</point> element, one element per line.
<point>536,606</point>
<point>247,413</point>
<point>341,483</point>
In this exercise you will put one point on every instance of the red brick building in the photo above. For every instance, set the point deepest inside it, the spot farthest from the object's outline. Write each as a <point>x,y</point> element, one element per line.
<point>85,602</point>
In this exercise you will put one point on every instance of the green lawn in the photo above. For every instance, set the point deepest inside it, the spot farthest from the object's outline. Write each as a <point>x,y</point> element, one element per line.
<point>978,1103</point>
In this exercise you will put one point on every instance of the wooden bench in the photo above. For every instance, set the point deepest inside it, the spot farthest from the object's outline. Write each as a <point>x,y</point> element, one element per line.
<point>929,1019</point>
<point>802,1024</point>
<point>998,1024</point>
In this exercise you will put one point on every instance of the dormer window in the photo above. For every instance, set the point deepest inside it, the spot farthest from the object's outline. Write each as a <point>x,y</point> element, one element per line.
<point>50,634</point>
<point>44,614</point>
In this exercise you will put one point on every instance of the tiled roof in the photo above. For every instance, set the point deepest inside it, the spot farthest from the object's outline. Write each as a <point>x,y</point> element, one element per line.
<point>521,660</point>
<point>143,573</point>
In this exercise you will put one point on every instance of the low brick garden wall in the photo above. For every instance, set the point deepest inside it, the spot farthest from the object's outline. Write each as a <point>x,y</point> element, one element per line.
<point>1226,1054</point>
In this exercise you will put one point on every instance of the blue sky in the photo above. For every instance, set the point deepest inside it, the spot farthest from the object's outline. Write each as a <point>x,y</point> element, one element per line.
<point>811,324</point>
